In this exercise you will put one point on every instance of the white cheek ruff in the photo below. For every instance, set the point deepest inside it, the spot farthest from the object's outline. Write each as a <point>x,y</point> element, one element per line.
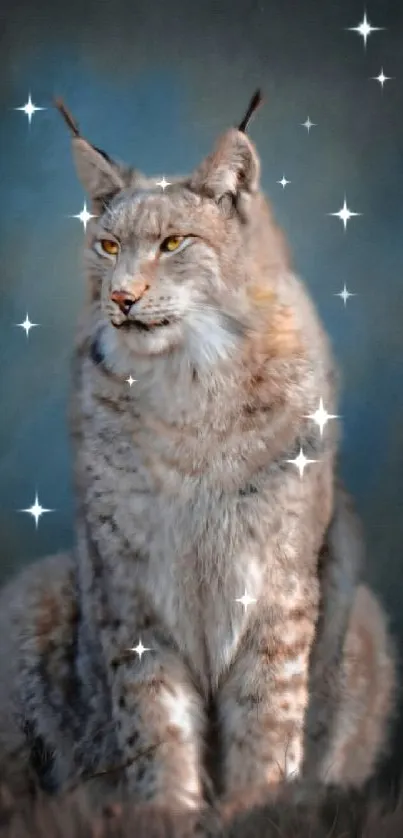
<point>115,356</point>
<point>206,336</point>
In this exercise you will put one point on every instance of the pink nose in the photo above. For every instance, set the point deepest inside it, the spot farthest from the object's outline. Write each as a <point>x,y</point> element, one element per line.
<point>124,300</point>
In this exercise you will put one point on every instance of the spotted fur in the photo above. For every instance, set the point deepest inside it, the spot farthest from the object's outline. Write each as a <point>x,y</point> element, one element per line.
<point>186,498</point>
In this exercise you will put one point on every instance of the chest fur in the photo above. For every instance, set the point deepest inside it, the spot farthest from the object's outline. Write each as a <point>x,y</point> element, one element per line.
<point>186,544</point>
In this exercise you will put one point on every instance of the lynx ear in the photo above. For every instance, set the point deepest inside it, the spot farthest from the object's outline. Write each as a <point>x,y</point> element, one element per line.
<point>99,175</point>
<point>232,169</point>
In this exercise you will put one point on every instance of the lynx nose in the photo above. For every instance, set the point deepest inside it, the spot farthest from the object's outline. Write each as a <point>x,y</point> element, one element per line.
<point>124,300</point>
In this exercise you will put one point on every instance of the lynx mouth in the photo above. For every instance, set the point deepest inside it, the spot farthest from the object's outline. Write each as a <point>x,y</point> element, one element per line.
<point>141,326</point>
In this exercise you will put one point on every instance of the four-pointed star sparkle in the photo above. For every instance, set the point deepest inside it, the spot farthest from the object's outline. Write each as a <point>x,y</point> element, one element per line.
<point>301,462</point>
<point>364,29</point>
<point>36,510</point>
<point>163,183</point>
<point>29,109</point>
<point>283,181</point>
<point>139,649</point>
<point>344,213</point>
<point>308,124</point>
<point>131,380</point>
<point>27,325</point>
<point>345,294</point>
<point>245,600</point>
<point>84,216</point>
<point>381,78</point>
<point>321,416</point>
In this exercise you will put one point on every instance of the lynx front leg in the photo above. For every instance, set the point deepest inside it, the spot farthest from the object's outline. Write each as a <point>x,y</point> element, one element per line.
<point>262,703</point>
<point>160,726</point>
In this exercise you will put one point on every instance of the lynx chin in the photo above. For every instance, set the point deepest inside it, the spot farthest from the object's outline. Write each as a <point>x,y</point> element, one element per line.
<point>186,497</point>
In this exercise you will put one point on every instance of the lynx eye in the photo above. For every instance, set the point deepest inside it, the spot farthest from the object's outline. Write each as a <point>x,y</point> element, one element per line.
<point>108,246</point>
<point>171,243</point>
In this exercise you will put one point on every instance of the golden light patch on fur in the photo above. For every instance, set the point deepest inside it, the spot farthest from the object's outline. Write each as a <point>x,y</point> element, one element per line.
<point>283,337</point>
<point>261,294</point>
<point>275,334</point>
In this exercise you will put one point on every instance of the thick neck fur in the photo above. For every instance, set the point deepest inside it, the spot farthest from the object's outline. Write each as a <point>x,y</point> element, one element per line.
<point>252,367</point>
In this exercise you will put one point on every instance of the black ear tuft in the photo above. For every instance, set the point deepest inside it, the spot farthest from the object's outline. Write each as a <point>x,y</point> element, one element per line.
<point>231,173</point>
<point>254,104</point>
<point>100,176</point>
<point>69,120</point>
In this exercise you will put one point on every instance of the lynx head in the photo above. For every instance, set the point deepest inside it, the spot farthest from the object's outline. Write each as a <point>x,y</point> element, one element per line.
<point>169,263</point>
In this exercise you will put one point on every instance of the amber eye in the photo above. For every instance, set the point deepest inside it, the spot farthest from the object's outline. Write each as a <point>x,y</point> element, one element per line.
<point>110,247</point>
<point>171,243</point>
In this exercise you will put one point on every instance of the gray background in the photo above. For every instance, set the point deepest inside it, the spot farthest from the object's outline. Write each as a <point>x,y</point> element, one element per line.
<point>154,83</point>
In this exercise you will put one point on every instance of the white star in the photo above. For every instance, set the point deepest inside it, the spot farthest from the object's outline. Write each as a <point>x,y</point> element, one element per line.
<point>84,216</point>
<point>27,325</point>
<point>139,649</point>
<point>321,416</point>
<point>29,109</point>
<point>245,600</point>
<point>381,78</point>
<point>344,213</point>
<point>163,183</point>
<point>301,462</point>
<point>364,29</point>
<point>283,181</point>
<point>345,294</point>
<point>131,380</point>
<point>36,510</point>
<point>308,124</point>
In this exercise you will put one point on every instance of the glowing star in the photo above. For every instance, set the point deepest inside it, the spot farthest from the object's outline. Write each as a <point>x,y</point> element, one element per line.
<point>381,78</point>
<point>29,109</point>
<point>345,294</point>
<point>245,600</point>
<point>301,462</point>
<point>364,29</point>
<point>140,649</point>
<point>163,183</point>
<point>321,416</point>
<point>84,216</point>
<point>308,124</point>
<point>131,380</point>
<point>27,325</point>
<point>344,213</point>
<point>283,181</point>
<point>36,510</point>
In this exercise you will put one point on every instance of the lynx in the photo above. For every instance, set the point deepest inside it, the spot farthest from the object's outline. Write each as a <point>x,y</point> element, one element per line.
<point>213,593</point>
